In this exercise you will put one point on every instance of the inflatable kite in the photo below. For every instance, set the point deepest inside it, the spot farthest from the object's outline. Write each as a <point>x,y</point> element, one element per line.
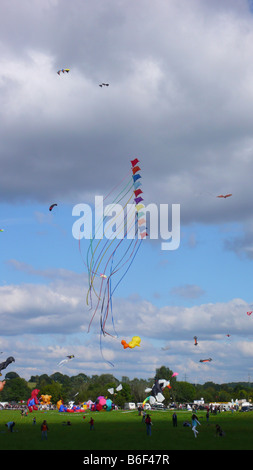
<point>52,206</point>
<point>102,404</point>
<point>33,400</point>
<point>2,384</point>
<point>132,344</point>
<point>195,340</point>
<point>206,360</point>
<point>120,228</point>
<point>5,364</point>
<point>156,394</point>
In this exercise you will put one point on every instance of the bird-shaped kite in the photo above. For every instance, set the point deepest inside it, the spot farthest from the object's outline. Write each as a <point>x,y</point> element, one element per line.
<point>8,361</point>
<point>224,196</point>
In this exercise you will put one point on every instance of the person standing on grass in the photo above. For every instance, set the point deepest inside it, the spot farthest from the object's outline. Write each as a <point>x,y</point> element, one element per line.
<point>91,422</point>
<point>174,419</point>
<point>148,423</point>
<point>44,429</point>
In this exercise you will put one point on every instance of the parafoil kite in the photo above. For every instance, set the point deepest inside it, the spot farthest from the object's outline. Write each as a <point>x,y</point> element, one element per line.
<point>63,70</point>
<point>52,206</point>
<point>69,358</point>
<point>5,364</point>
<point>224,196</point>
<point>206,360</point>
<point>195,340</point>
<point>135,341</point>
<point>119,231</point>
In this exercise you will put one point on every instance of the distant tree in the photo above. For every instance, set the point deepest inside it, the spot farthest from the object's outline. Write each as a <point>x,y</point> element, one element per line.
<point>15,389</point>
<point>56,390</point>
<point>11,375</point>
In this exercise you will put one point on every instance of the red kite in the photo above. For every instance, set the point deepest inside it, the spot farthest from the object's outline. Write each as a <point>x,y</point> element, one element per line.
<point>226,195</point>
<point>51,207</point>
<point>206,360</point>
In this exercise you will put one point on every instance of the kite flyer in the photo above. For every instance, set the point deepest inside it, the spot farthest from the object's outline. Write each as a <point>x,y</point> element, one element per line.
<point>195,422</point>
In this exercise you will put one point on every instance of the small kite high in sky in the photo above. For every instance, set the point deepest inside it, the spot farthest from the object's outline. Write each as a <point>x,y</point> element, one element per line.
<point>103,84</point>
<point>62,70</point>
<point>4,364</point>
<point>206,360</point>
<point>224,196</point>
<point>69,358</point>
<point>135,341</point>
<point>195,340</point>
<point>52,206</point>
<point>249,313</point>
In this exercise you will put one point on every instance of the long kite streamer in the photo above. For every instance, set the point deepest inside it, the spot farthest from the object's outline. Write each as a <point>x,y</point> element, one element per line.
<point>109,257</point>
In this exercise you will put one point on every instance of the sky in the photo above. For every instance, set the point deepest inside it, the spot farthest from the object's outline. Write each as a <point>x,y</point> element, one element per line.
<point>180,99</point>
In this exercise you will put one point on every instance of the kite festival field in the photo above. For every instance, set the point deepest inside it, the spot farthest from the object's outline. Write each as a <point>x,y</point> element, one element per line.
<point>121,430</point>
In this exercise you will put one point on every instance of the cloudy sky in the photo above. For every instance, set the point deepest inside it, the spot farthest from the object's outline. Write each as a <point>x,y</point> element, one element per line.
<point>180,99</point>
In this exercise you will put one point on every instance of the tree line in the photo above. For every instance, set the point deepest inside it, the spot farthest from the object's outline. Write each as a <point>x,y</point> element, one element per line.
<point>81,388</point>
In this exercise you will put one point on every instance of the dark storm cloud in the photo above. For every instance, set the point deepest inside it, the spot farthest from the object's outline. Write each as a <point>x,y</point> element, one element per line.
<point>180,98</point>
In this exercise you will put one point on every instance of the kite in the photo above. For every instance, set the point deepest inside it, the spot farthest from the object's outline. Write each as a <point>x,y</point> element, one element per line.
<point>1,230</point>
<point>174,374</point>
<point>249,313</point>
<point>69,358</point>
<point>2,384</point>
<point>156,394</point>
<point>120,228</point>
<point>52,206</point>
<point>195,340</point>
<point>63,70</point>
<point>224,196</point>
<point>132,344</point>
<point>206,360</point>
<point>228,336</point>
<point>111,390</point>
<point>103,84</point>
<point>4,364</point>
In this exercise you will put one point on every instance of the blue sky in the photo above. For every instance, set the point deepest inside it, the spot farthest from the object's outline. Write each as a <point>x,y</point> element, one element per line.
<point>180,99</point>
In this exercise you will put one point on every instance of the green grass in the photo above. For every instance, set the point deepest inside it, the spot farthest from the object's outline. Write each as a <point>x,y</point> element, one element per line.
<point>117,430</point>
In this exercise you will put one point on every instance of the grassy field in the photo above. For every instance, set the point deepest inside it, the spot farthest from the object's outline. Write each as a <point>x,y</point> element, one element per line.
<point>118,430</point>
